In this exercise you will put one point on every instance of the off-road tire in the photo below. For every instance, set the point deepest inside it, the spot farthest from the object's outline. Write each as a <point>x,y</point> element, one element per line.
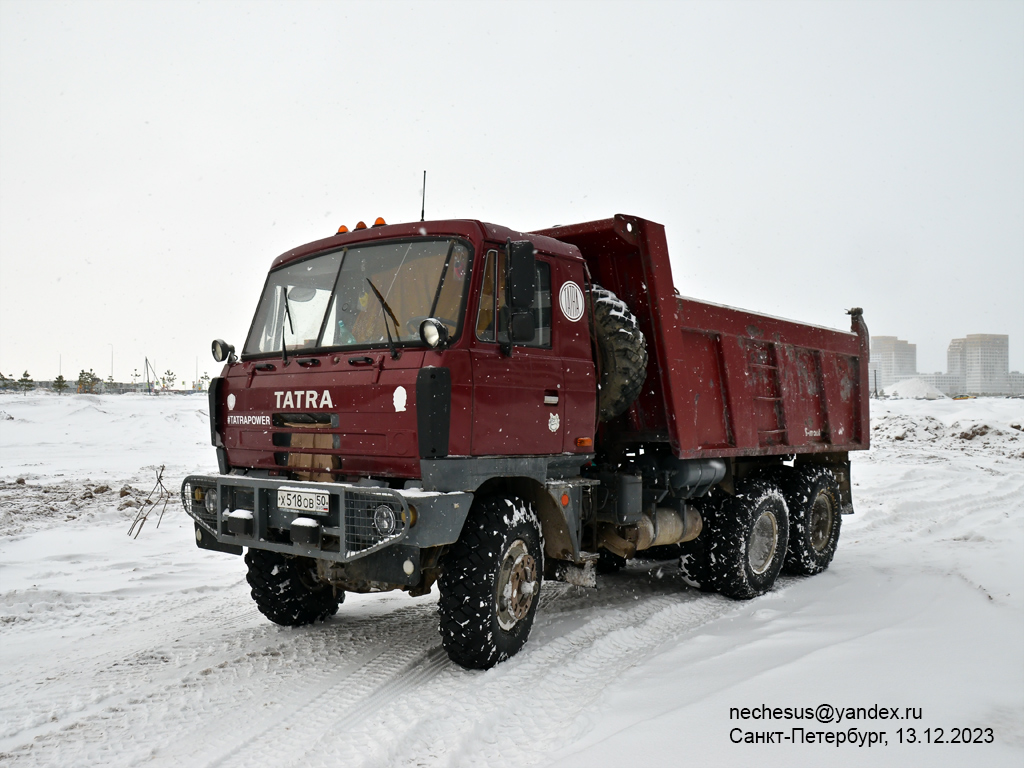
<point>286,590</point>
<point>501,546</point>
<point>815,519</point>
<point>622,353</point>
<point>747,535</point>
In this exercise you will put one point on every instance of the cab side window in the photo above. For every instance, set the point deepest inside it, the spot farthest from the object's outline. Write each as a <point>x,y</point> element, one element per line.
<point>492,303</point>
<point>493,306</point>
<point>542,306</point>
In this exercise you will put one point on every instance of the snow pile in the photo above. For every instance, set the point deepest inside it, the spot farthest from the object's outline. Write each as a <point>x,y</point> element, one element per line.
<point>917,389</point>
<point>118,651</point>
<point>985,425</point>
<point>31,506</point>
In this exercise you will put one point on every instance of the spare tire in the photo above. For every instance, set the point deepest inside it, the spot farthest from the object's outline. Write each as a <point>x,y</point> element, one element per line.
<point>622,353</point>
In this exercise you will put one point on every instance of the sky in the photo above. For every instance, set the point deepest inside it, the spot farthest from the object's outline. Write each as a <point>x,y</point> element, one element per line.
<point>804,157</point>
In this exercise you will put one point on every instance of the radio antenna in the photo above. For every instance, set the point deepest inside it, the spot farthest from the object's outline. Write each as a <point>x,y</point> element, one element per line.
<point>423,207</point>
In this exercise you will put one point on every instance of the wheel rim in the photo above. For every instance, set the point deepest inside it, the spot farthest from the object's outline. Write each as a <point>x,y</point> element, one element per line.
<point>761,545</point>
<point>821,522</point>
<point>517,584</point>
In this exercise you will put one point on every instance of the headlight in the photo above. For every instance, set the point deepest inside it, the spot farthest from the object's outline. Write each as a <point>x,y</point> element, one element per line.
<point>434,333</point>
<point>384,520</point>
<point>221,350</point>
<point>211,501</point>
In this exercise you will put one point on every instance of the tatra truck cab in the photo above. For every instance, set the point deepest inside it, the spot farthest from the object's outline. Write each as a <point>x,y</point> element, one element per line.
<point>458,403</point>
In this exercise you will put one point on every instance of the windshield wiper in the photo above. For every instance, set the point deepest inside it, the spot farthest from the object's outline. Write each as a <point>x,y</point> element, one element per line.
<point>386,308</point>
<point>287,314</point>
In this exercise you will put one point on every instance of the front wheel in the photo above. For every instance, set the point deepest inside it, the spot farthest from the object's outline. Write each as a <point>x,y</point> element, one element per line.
<point>490,583</point>
<point>286,589</point>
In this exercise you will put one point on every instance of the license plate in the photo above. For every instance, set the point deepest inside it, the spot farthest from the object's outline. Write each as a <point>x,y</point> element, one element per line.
<point>313,502</point>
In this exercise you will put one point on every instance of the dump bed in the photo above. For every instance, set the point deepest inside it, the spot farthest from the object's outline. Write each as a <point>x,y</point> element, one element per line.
<point>723,381</point>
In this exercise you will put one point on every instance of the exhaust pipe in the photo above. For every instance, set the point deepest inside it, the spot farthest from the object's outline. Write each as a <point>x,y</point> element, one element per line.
<point>667,526</point>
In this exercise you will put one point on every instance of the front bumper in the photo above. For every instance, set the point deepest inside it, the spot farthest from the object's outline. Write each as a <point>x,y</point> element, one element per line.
<point>245,513</point>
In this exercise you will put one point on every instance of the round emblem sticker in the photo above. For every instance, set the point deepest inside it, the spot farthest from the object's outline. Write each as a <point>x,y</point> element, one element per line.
<point>231,402</point>
<point>570,300</point>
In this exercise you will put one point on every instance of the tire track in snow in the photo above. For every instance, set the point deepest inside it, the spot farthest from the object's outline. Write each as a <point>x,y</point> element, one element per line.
<point>213,712</point>
<point>301,734</point>
<point>98,679</point>
<point>110,665</point>
<point>518,711</point>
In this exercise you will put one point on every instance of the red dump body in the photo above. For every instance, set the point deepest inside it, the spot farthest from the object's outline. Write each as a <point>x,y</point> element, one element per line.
<point>723,381</point>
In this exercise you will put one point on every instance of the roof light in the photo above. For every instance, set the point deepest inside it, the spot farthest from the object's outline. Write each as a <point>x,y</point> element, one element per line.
<point>342,229</point>
<point>379,222</point>
<point>361,225</point>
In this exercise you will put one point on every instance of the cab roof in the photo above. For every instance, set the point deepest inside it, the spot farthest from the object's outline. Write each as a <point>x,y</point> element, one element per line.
<point>470,229</point>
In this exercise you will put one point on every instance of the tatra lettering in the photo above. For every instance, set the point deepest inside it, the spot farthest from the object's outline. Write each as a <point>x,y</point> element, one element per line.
<point>303,398</point>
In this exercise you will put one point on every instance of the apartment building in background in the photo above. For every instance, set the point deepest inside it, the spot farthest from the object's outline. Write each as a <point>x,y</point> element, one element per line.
<point>892,360</point>
<point>978,364</point>
<point>987,363</point>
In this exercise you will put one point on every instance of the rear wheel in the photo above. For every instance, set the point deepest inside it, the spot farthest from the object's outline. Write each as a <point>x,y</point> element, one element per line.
<point>286,589</point>
<point>490,583</point>
<point>746,544</point>
<point>812,495</point>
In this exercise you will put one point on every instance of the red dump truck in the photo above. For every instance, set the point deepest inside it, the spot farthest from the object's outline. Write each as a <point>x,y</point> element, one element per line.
<point>458,403</point>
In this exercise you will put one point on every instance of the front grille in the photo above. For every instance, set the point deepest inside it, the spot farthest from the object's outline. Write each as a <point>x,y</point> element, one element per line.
<point>362,508</point>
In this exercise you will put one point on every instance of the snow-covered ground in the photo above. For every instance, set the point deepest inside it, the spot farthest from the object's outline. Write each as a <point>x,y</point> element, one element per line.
<point>117,651</point>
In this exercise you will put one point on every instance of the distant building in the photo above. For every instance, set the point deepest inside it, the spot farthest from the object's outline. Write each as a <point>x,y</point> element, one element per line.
<point>956,359</point>
<point>892,360</point>
<point>1016,383</point>
<point>979,364</point>
<point>987,364</point>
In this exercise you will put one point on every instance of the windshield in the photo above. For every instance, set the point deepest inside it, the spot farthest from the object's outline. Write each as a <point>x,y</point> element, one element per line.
<point>329,301</point>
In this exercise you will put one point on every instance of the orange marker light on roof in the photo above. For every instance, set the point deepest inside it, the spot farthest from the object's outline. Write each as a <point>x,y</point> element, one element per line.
<point>361,225</point>
<point>379,222</point>
<point>342,229</point>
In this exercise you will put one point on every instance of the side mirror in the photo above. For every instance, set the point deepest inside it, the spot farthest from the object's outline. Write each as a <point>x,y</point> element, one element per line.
<point>522,328</point>
<point>434,333</point>
<point>521,274</point>
<point>221,350</point>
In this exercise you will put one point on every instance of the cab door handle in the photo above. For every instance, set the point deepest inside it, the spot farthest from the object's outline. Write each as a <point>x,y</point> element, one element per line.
<point>550,397</point>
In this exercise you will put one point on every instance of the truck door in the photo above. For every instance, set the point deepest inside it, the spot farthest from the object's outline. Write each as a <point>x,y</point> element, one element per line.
<point>570,331</point>
<point>517,399</point>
